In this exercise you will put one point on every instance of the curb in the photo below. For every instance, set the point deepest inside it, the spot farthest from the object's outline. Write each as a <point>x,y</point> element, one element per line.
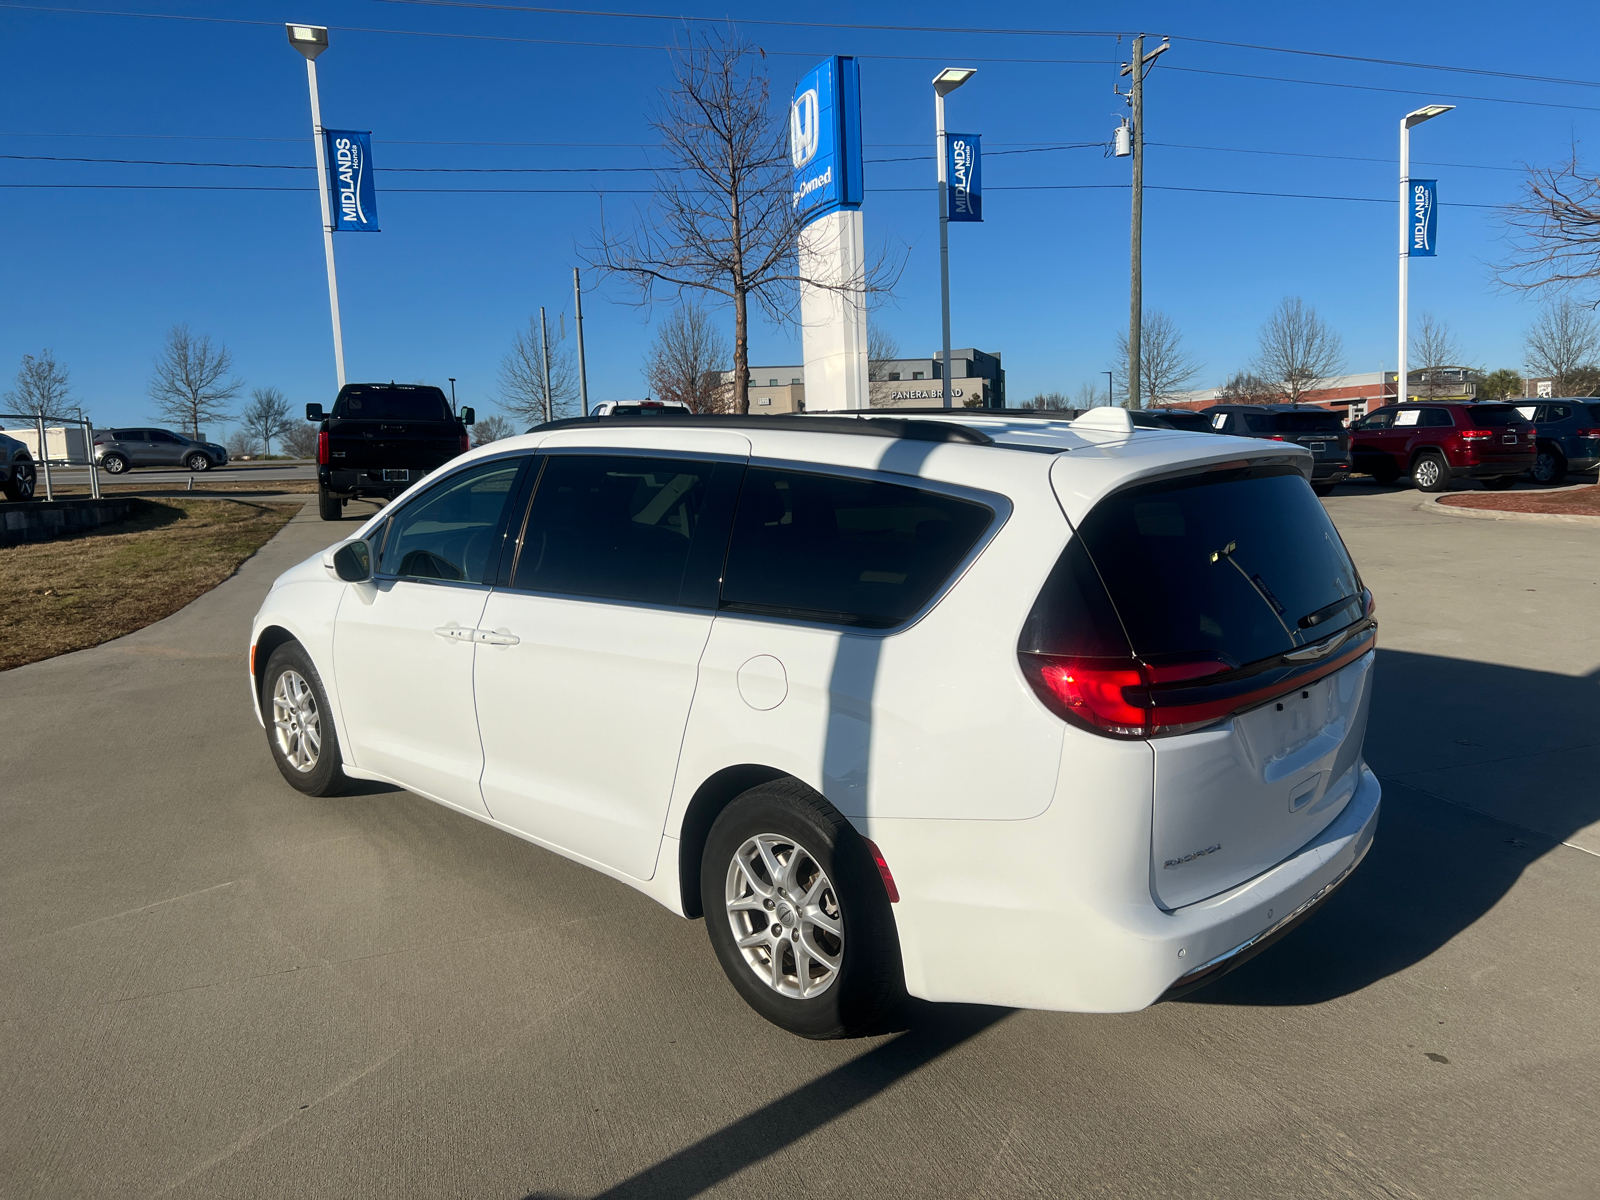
<point>1438,508</point>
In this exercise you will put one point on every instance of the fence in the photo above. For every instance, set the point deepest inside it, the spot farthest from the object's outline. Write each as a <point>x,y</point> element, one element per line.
<point>49,433</point>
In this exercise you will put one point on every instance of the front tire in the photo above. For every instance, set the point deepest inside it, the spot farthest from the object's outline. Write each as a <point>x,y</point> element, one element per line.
<point>23,482</point>
<point>1430,474</point>
<point>299,721</point>
<point>329,507</point>
<point>198,463</point>
<point>797,913</point>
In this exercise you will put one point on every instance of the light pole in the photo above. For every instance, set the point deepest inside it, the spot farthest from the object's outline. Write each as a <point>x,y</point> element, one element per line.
<point>312,40</point>
<point>1137,68</point>
<point>583,370</point>
<point>1110,399</point>
<point>1426,113</point>
<point>945,82</point>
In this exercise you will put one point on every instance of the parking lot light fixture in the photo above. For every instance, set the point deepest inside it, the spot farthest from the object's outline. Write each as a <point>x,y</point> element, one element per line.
<point>1416,117</point>
<point>312,40</point>
<point>945,82</point>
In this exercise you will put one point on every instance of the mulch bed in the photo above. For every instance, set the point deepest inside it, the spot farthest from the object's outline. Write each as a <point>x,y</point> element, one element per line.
<point>1574,502</point>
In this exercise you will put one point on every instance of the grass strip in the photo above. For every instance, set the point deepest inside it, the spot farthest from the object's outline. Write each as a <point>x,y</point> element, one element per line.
<point>83,590</point>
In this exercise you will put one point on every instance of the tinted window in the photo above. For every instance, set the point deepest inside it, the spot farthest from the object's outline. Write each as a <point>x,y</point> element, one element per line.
<point>1240,565</point>
<point>1436,418</point>
<point>1194,422</point>
<point>827,548</point>
<point>1555,412</point>
<point>451,530</point>
<point>1594,412</point>
<point>393,403</point>
<point>1382,419</point>
<point>617,528</point>
<point>161,435</point>
<point>1293,422</point>
<point>1494,416</point>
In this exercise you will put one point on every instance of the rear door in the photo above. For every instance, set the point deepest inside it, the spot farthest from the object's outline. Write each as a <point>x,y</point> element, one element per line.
<point>1322,433</point>
<point>1249,620</point>
<point>1511,441</point>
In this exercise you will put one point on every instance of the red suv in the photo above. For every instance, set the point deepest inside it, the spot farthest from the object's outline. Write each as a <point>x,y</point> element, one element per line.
<point>1437,442</point>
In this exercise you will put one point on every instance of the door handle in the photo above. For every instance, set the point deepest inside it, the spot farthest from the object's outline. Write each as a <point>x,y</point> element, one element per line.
<point>455,633</point>
<point>495,637</point>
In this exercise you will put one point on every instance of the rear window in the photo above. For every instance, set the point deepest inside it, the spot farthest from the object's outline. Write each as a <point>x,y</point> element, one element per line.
<point>1495,416</point>
<point>1241,566</point>
<point>850,551</point>
<point>1594,412</point>
<point>1297,422</point>
<point>392,404</point>
<point>1193,422</point>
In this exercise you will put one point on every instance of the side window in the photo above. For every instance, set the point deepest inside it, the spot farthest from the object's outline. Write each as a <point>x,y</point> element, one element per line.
<point>1557,412</point>
<point>1382,419</point>
<point>1259,422</point>
<point>1435,418</point>
<point>823,547</point>
<point>1407,416</point>
<point>161,435</point>
<point>1218,420</point>
<point>450,530</point>
<point>614,528</point>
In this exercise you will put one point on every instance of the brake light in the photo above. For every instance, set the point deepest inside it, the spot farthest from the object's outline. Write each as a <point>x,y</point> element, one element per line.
<point>1586,433</point>
<point>1276,437</point>
<point>1092,691</point>
<point>322,448</point>
<point>1476,435</point>
<point>466,443</point>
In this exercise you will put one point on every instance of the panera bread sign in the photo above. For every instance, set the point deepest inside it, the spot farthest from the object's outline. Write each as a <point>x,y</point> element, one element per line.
<point>924,394</point>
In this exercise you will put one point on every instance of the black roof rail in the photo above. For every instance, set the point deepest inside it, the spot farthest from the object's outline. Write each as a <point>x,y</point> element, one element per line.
<point>866,425</point>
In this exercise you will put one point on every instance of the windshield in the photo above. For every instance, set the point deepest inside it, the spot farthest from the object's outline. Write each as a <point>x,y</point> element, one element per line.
<point>1240,565</point>
<point>393,402</point>
<point>1193,422</point>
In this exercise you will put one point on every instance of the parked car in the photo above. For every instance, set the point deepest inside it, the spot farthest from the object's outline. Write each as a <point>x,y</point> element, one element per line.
<point>116,450</point>
<point>1567,437</point>
<point>18,476</point>
<point>640,408</point>
<point>986,709</point>
<point>1318,429</point>
<point>1437,442</point>
<point>381,438</point>
<point>1173,418</point>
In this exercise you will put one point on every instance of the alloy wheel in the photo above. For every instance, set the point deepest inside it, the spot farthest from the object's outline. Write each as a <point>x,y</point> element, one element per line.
<point>785,916</point>
<point>1544,467</point>
<point>24,480</point>
<point>1426,472</point>
<point>296,722</point>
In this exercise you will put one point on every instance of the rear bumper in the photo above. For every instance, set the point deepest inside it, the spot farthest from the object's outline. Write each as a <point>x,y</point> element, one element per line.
<point>1014,913</point>
<point>1330,472</point>
<point>1493,469</point>
<point>366,483</point>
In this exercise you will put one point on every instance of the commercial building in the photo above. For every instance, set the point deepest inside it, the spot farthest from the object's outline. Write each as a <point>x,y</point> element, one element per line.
<point>1353,396</point>
<point>977,380</point>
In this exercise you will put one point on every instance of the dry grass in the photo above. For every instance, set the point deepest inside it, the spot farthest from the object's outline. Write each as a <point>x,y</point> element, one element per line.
<point>1581,501</point>
<point>81,591</point>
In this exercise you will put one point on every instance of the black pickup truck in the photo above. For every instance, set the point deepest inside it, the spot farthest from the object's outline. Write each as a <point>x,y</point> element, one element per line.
<point>381,438</point>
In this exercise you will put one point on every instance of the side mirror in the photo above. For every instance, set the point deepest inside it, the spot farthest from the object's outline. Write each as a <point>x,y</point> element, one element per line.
<point>468,416</point>
<point>313,412</point>
<point>352,562</point>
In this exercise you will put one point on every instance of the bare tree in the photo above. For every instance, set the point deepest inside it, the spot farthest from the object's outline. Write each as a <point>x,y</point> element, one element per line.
<point>1093,396</point>
<point>1246,387</point>
<point>42,388</point>
<point>1165,367</point>
<point>188,386</point>
<point>1048,402</point>
<point>266,417</point>
<point>1300,352</point>
<point>491,429</point>
<point>688,362</point>
<point>1434,345</point>
<point>1561,343</point>
<point>1554,229</point>
<point>522,388</point>
<point>300,439</point>
<point>724,221</point>
<point>882,349</point>
<point>243,444</point>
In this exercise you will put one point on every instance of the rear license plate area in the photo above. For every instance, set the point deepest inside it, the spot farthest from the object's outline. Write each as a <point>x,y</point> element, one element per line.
<point>1510,439</point>
<point>1319,447</point>
<point>397,476</point>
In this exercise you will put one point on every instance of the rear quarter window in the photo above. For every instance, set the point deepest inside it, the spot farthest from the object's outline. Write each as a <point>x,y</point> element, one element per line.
<point>1495,416</point>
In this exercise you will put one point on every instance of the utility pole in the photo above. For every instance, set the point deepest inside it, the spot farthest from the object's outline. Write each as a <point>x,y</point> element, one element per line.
<point>544,353</point>
<point>1136,68</point>
<point>583,371</point>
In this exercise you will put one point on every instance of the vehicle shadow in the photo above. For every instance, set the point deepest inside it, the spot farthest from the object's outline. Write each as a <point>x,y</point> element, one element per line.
<point>1482,775</point>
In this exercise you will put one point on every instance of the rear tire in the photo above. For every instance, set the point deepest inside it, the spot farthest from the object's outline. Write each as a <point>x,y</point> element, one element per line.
<point>1550,467</point>
<point>23,482</point>
<point>329,507</point>
<point>820,956</point>
<point>299,721</point>
<point>114,464</point>
<point>198,463</point>
<point>1430,474</point>
<point>1386,474</point>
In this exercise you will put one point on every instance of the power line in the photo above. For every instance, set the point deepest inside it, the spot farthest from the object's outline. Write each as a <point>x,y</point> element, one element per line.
<point>1333,157</point>
<point>1366,87</point>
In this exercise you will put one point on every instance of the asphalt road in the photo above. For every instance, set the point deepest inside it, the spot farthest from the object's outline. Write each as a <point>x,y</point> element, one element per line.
<point>150,476</point>
<point>211,985</point>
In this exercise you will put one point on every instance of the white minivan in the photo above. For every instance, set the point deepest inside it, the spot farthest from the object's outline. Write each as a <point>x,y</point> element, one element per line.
<point>986,708</point>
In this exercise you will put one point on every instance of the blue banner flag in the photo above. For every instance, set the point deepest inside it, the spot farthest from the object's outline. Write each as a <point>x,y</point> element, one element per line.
<point>351,191</point>
<point>825,138</point>
<point>1423,219</point>
<point>964,168</point>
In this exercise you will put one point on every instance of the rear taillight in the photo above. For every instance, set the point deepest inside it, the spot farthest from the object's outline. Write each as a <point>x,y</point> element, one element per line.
<point>1476,435</point>
<point>1586,433</point>
<point>322,448</point>
<point>466,443</point>
<point>1277,437</point>
<point>1115,694</point>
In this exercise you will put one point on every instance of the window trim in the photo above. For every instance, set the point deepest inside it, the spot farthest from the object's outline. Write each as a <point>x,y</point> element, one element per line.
<point>386,524</point>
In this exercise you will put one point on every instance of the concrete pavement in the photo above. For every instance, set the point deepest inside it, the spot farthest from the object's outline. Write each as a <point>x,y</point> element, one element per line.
<point>212,985</point>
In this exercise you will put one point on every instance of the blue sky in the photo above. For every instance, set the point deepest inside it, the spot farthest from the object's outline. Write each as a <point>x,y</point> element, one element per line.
<point>99,275</point>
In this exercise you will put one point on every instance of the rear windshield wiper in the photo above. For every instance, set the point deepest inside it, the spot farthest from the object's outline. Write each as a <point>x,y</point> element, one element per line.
<point>1327,612</point>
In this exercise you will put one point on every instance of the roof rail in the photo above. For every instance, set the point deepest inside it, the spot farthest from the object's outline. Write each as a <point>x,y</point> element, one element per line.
<point>866,425</point>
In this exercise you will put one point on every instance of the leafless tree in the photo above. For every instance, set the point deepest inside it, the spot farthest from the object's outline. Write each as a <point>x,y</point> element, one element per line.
<point>243,444</point>
<point>724,221</point>
<point>522,377</point>
<point>1048,402</point>
<point>1563,343</point>
<point>300,439</point>
<point>43,388</point>
<point>1434,345</point>
<point>1165,368</point>
<point>266,417</point>
<point>1246,387</point>
<point>882,349</point>
<point>491,429</point>
<point>1093,396</point>
<point>1300,352</point>
<point>1554,230</point>
<point>688,362</point>
<point>187,385</point>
